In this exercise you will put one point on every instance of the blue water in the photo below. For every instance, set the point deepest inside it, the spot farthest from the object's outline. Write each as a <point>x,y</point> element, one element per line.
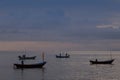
<point>77,67</point>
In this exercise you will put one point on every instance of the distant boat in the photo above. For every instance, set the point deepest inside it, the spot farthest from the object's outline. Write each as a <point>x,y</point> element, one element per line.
<point>109,61</point>
<point>63,56</point>
<point>102,62</point>
<point>24,57</point>
<point>36,65</point>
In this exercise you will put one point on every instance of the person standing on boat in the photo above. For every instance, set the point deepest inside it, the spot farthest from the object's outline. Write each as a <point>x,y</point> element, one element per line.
<point>60,54</point>
<point>22,62</point>
<point>66,54</point>
<point>24,56</point>
<point>96,60</point>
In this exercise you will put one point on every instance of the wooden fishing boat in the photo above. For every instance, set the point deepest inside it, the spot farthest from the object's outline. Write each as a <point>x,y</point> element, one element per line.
<point>33,65</point>
<point>36,65</point>
<point>63,56</point>
<point>102,62</point>
<point>109,61</point>
<point>24,57</point>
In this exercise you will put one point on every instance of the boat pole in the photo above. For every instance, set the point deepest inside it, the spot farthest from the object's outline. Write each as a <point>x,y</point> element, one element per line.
<point>110,54</point>
<point>43,56</point>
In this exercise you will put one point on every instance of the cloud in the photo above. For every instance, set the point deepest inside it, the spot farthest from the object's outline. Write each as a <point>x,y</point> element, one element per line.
<point>10,31</point>
<point>109,26</point>
<point>112,21</point>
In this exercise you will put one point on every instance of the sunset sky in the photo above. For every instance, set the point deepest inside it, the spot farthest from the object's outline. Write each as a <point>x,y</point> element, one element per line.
<point>59,25</point>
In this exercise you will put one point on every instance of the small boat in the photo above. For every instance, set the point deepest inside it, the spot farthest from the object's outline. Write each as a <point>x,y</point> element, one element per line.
<point>109,61</point>
<point>24,57</point>
<point>33,65</point>
<point>36,65</point>
<point>102,62</point>
<point>63,56</point>
<point>57,56</point>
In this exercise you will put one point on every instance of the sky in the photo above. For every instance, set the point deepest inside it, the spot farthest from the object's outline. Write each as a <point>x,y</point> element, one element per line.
<point>59,25</point>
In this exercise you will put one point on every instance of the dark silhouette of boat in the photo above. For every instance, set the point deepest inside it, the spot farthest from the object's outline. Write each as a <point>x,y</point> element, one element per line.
<point>57,56</point>
<point>24,57</point>
<point>102,62</point>
<point>109,61</point>
<point>33,65</point>
<point>36,65</point>
<point>63,56</point>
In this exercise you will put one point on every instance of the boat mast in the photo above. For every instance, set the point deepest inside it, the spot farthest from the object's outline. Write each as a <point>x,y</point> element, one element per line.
<point>110,54</point>
<point>43,56</point>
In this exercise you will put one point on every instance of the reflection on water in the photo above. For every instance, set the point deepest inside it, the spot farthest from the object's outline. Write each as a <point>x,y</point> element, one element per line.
<point>30,74</point>
<point>77,67</point>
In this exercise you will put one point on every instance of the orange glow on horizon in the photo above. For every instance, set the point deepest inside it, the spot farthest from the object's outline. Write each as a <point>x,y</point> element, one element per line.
<point>34,45</point>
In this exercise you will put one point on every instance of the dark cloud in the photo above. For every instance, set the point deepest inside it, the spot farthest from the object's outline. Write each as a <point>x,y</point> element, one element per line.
<point>56,20</point>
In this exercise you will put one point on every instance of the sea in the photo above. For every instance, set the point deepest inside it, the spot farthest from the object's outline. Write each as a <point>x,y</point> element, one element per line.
<point>77,67</point>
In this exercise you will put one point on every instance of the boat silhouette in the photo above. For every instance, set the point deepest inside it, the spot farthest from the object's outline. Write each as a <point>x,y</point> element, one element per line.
<point>102,62</point>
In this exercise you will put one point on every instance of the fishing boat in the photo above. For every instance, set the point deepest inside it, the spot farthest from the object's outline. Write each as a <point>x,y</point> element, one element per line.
<point>109,61</point>
<point>102,62</point>
<point>24,57</point>
<point>63,56</point>
<point>58,56</point>
<point>36,65</point>
<point>32,65</point>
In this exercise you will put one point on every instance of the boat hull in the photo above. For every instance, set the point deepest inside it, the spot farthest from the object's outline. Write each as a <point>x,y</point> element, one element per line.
<point>38,65</point>
<point>102,62</point>
<point>62,56</point>
<point>26,58</point>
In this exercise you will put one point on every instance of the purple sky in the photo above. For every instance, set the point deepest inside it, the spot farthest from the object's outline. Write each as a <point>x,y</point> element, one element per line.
<point>60,24</point>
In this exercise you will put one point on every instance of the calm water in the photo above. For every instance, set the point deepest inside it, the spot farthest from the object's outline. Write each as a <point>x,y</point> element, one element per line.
<point>77,67</point>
